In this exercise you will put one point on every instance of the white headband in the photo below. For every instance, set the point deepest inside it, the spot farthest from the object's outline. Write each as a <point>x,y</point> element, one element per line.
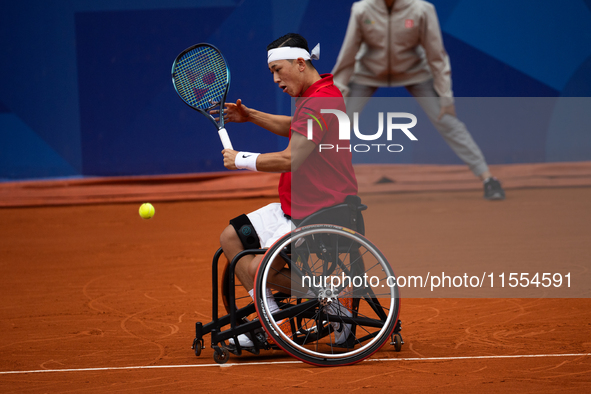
<point>289,53</point>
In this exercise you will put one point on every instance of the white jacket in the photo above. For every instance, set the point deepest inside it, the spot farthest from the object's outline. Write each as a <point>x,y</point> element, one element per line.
<point>394,48</point>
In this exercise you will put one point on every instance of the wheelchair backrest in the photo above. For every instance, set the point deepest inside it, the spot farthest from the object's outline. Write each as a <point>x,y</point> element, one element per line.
<point>347,214</point>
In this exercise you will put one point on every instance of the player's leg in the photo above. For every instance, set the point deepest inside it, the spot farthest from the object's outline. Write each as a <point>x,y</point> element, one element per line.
<point>232,245</point>
<point>457,136</point>
<point>270,293</point>
<point>279,274</point>
<point>265,224</point>
<point>271,224</point>
<point>252,231</point>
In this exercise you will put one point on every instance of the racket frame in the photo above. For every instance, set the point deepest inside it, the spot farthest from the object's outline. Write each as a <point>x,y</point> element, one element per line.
<point>219,125</point>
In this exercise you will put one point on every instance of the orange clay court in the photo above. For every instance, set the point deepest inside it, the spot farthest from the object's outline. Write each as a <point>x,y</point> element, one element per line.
<point>95,299</point>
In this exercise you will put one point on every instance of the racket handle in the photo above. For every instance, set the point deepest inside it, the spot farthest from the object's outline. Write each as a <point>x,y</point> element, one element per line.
<point>225,138</point>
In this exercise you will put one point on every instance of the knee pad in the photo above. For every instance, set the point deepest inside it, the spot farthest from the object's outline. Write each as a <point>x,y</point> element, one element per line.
<point>246,232</point>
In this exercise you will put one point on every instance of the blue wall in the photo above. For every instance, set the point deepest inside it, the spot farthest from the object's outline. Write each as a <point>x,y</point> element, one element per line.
<point>85,85</point>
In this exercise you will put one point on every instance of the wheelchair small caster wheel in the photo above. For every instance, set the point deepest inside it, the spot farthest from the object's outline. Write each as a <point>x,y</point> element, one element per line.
<point>397,342</point>
<point>221,357</point>
<point>197,346</point>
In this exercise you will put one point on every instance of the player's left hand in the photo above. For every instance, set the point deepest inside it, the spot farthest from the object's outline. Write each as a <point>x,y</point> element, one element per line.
<point>237,113</point>
<point>230,159</point>
<point>447,110</point>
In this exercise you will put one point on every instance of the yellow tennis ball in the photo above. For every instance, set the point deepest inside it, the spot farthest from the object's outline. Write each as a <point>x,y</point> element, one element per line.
<point>147,210</point>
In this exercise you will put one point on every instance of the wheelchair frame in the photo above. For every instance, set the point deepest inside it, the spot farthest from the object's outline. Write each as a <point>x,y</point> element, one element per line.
<point>236,318</point>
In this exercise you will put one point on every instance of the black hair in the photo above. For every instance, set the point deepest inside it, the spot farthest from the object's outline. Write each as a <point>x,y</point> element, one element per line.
<point>289,40</point>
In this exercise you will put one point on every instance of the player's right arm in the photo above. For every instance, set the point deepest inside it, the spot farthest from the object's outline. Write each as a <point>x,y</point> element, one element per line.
<point>290,159</point>
<point>239,113</point>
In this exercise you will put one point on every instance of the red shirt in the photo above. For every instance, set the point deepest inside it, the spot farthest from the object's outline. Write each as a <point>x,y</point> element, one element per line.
<point>326,177</point>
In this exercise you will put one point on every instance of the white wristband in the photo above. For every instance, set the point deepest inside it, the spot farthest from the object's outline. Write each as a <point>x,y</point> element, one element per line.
<point>246,161</point>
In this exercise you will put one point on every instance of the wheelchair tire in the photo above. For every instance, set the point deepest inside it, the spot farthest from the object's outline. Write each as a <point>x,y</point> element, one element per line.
<point>311,316</point>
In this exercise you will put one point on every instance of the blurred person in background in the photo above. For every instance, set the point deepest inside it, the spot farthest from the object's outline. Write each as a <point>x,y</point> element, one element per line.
<point>398,43</point>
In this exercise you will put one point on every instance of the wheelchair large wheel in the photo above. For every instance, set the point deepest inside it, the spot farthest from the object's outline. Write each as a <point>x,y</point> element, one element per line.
<point>336,292</point>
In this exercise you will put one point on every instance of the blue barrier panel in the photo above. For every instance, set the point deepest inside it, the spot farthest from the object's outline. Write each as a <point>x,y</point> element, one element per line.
<point>85,86</point>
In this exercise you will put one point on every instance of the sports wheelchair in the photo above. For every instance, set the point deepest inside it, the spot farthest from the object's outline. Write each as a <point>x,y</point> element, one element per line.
<point>325,264</point>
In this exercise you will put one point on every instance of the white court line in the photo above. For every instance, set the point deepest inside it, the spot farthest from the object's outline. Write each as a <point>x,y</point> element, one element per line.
<point>291,362</point>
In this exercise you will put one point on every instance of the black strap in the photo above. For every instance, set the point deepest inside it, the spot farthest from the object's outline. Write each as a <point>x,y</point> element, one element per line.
<point>246,232</point>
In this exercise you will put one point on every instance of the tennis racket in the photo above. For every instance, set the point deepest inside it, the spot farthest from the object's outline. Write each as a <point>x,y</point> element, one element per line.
<point>202,79</point>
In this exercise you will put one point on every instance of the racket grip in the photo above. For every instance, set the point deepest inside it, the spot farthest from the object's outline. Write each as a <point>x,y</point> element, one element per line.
<point>225,138</point>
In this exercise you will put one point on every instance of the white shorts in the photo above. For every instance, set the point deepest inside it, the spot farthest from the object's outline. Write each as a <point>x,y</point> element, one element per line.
<point>270,223</point>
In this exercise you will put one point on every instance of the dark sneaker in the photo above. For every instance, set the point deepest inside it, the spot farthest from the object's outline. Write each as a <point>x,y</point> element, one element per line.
<point>493,189</point>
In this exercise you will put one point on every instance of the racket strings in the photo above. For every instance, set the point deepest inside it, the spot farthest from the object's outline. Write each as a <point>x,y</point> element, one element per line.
<point>201,78</point>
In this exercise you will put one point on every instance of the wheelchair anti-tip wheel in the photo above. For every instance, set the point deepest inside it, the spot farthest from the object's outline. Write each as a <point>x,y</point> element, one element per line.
<point>336,300</point>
